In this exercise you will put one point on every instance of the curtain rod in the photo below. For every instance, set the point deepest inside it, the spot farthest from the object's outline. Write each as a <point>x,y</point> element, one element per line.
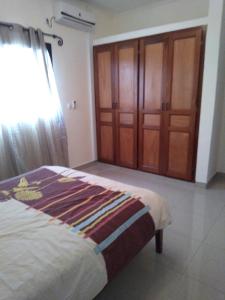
<point>54,36</point>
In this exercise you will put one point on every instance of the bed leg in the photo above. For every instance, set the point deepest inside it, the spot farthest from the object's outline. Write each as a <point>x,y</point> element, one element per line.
<point>159,241</point>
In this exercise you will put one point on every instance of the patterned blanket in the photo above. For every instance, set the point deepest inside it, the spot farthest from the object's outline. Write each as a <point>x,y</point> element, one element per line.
<point>116,221</point>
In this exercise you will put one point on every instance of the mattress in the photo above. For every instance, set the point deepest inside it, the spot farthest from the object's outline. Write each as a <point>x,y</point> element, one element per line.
<point>64,234</point>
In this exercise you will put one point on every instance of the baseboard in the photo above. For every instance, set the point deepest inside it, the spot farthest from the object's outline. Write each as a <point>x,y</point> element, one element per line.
<point>202,185</point>
<point>199,184</point>
<point>206,185</point>
<point>85,165</point>
<point>209,184</point>
<point>221,173</point>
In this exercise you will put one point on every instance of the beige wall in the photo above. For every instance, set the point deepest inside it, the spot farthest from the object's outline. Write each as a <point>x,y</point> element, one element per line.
<point>155,15</point>
<point>72,70</point>
<point>105,23</point>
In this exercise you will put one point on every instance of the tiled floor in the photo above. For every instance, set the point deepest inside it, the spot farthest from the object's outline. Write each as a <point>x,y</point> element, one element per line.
<point>192,266</point>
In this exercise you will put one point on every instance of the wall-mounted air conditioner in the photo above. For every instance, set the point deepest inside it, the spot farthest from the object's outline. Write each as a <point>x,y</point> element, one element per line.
<point>72,16</point>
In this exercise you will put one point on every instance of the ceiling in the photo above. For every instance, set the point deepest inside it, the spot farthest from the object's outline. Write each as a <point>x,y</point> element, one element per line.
<point>120,5</point>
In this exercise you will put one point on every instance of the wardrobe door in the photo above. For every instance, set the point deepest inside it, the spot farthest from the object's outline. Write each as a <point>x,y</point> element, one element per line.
<point>152,91</point>
<point>126,86</point>
<point>182,103</point>
<point>104,95</point>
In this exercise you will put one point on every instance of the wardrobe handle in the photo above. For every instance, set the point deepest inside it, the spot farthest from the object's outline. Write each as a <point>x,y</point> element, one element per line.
<point>162,106</point>
<point>167,106</point>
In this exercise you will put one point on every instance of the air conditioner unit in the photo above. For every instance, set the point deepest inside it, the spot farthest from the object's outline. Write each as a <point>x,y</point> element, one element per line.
<point>72,16</point>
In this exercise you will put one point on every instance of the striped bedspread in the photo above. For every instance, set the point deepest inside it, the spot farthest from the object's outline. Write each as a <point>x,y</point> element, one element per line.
<point>118,222</point>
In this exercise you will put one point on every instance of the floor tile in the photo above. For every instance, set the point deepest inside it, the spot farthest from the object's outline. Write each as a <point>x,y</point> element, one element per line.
<point>208,266</point>
<point>190,289</point>
<point>153,281</point>
<point>216,236</point>
<point>192,265</point>
<point>178,250</point>
<point>192,225</point>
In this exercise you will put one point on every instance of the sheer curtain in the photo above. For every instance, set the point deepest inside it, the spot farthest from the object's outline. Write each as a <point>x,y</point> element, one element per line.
<point>32,131</point>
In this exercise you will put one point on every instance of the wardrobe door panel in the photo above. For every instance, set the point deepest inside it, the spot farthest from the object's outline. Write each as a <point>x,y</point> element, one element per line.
<point>180,121</point>
<point>152,120</point>
<point>104,98</point>
<point>153,75</point>
<point>182,103</point>
<point>126,78</point>
<point>106,146</point>
<point>105,79</point>
<point>152,90</point>
<point>183,73</point>
<point>126,119</point>
<point>126,144</point>
<point>178,151</point>
<point>151,144</point>
<point>106,117</point>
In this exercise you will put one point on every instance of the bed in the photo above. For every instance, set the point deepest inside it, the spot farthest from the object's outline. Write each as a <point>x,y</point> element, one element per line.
<point>64,234</point>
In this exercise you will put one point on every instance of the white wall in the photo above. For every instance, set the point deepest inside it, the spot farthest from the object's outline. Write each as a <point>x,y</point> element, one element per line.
<point>72,71</point>
<point>165,12</point>
<point>220,113</point>
<point>212,95</point>
<point>221,160</point>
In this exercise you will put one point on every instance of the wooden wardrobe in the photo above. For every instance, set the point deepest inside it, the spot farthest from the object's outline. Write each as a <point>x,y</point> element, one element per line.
<point>147,95</point>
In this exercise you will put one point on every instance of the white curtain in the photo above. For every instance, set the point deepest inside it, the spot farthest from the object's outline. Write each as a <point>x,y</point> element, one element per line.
<point>32,131</point>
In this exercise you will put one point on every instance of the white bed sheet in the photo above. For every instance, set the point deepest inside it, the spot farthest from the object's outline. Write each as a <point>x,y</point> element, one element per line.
<point>44,261</point>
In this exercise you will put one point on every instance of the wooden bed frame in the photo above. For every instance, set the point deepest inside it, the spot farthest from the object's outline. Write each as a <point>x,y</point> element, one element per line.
<point>159,241</point>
